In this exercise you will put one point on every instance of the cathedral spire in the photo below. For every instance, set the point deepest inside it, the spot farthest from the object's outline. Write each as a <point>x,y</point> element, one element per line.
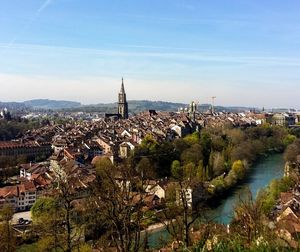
<point>122,104</point>
<point>122,87</point>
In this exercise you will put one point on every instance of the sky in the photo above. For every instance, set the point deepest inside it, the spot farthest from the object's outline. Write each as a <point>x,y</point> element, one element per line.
<point>244,52</point>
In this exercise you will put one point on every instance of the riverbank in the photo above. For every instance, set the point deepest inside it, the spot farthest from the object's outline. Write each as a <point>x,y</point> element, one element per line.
<point>260,175</point>
<point>154,227</point>
<point>224,189</point>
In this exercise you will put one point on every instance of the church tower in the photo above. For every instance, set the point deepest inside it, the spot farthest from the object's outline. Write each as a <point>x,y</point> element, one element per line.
<point>122,104</point>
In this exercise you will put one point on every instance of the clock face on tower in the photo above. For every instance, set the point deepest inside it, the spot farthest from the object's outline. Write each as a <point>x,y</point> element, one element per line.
<point>121,98</point>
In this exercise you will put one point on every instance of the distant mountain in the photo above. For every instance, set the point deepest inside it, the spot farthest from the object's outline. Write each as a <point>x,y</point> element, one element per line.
<point>12,106</point>
<point>138,106</point>
<point>134,106</point>
<point>51,104</point>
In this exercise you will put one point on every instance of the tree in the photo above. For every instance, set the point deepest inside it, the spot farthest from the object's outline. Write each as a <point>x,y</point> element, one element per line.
<point>185,212</point>
<point>292,151</point>
<point>192,154</point>
<point>176,170</point>
<point>249,220</point>
<point>7,237</point>
<point>219,142</point>
<point>118,195</point>
<point>239,169</point>
<point>206,144</point>
<point>289,139</point>
<point>145,169</point>
<point>42,205</point>
<point>192,139</point>
<point>47,219</point>
<point>160,156</point>
<point>54,218</point>
<point>67,181</point>
<point>149,143</point>
<point>235,136</point>
<point>180,145</point>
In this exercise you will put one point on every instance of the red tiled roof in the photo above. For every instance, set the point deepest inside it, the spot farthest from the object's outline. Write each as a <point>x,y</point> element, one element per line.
<point>8,191</point>
<point>15,144</point>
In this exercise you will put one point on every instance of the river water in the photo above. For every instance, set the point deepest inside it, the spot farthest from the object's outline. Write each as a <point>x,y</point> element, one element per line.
<point>260,175</point>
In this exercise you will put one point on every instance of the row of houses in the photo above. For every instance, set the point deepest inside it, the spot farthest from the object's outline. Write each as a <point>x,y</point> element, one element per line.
<point>26,148</point>
<point>32,183</point>
<point>38,179</point>
<point>287,216</point>
<point>83,140</point>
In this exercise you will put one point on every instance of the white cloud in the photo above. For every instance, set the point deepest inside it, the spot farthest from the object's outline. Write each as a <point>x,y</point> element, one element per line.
<point>44,6</point>
<point>156,53</point>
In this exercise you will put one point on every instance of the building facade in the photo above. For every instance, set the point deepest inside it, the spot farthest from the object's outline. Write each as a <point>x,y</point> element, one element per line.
<point>28,149</point>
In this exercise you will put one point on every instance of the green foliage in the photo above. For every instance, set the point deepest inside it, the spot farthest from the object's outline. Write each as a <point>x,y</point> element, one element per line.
<point>206,144</point>
<point>6,213</point>
<point>245,151</point>
<point>12,129</point>
<point>217,185</point>
<point>28,248</point>
<point>239,169</point>
<point>145,169</point>
<point>189,171</point>
<point>104,165</point>
<point>163,156</point>
<point>219,143</point>
<point>43,205</point>
<point>221,153</point>
<point>180,145</point>
<point>235,244</point>
<point>83,248</point>
<point>295,131</point>
<point>215,149</point>
<point>7,235</point>
<point>149,143</point>
<point>200,175</point>
<point>217,162</point>
<point>222,182</point>
<point>289,139</point>
<point>176,170</point>
<point>236,136</point>
<point>47,244</point>
<point>292,151</point>
<point>269,195</point>
<point>231,179</point>
<point>160,156</point>
<point>192,139</point>
<point>192,154</point>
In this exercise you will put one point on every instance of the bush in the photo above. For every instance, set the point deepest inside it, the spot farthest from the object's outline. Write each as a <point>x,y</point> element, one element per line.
<point>269,195</point>
<point>239,169</point>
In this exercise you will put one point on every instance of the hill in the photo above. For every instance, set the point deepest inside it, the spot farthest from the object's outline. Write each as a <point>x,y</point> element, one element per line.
<point>51,104</point>
<point>134,106</point>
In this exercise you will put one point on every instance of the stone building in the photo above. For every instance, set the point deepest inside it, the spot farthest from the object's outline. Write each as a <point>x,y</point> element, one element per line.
<point>122,103</point>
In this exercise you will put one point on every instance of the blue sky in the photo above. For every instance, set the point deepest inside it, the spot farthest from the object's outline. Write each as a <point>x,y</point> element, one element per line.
<point>243,52</point>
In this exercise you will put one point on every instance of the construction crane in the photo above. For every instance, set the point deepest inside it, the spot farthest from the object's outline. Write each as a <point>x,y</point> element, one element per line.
<point>213,104</point>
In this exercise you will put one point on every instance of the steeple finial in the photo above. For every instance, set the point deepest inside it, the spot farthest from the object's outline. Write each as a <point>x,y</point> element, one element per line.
<point>122,87</point>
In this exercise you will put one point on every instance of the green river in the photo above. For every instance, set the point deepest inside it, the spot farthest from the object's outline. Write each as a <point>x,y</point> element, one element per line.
<point>260,175</point>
